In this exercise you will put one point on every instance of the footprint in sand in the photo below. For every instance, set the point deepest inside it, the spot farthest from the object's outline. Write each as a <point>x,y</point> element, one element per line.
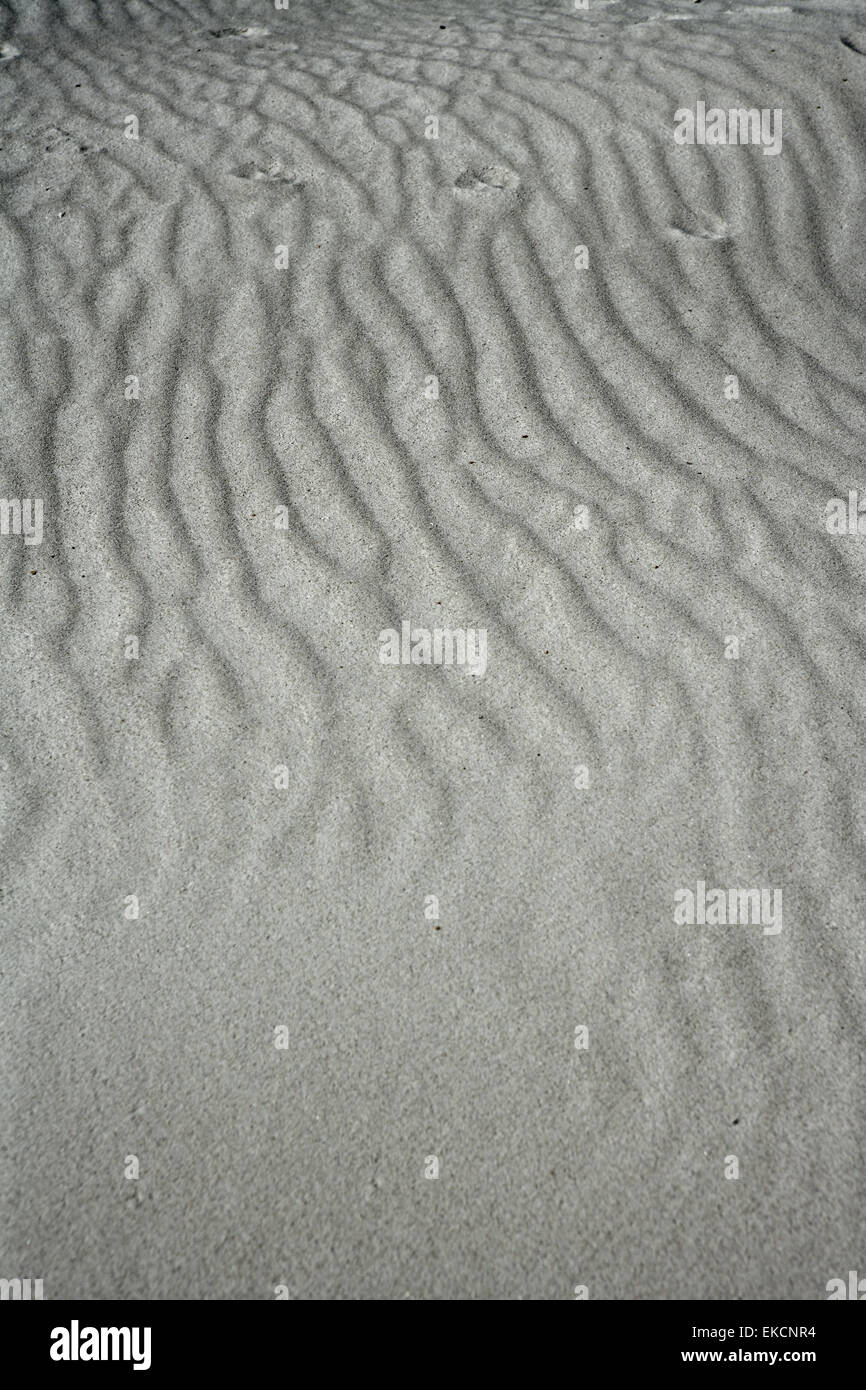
<point>254,31</point>
<point>272,173</point>
<point>699,227</point>
<point>487,178</point>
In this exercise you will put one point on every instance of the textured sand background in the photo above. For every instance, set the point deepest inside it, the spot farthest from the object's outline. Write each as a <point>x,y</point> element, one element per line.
<point>303,906</point>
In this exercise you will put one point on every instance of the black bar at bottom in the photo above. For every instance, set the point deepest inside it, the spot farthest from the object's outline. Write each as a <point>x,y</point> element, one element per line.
<point>154,1340</point>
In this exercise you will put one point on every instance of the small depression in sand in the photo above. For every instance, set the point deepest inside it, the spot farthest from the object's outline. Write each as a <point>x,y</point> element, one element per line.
<point>487,178</point>
<point>272,173</point>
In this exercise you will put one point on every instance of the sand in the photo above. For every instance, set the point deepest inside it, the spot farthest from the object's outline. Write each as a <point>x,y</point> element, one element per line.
<point>331,978</point>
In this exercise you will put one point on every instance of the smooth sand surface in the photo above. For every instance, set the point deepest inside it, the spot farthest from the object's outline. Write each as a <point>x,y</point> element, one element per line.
<point>281,804</point>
